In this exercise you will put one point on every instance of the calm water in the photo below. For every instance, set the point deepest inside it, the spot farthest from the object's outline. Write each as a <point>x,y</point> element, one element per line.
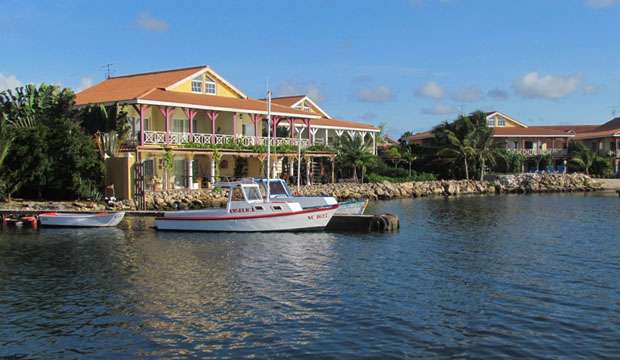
<point>518,276</point>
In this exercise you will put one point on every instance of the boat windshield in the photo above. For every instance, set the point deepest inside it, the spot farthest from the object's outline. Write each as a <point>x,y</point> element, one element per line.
<point>252,193</point>
<point>278,188</point>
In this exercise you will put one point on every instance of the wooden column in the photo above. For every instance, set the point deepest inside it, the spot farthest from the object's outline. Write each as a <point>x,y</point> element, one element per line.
<point>333,170</point>
<point>212,115</point>
<point>234,124</point>
<point>256,120</point>
<point>141,109</point>
<point>167,112</point>
<point>190,114</point>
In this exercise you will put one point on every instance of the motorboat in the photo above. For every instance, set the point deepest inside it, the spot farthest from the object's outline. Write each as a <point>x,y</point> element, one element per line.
<point>279,190</point>
<point>101,219</point>
<point>248,211</point>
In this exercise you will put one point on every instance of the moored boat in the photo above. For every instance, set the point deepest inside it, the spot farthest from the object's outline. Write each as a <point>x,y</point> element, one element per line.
<point>279,190</point>
<point>248,211</point>
<point>103,219</point>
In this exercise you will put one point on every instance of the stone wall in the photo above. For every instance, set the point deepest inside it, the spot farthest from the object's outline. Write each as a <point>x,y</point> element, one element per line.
<point>522,183</point>
<point>198,199</point>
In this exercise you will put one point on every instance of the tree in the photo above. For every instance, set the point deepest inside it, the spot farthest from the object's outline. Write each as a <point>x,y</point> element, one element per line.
<point>460,147</point>
<point>104,119</point>
<point>583,157</point>
<point>485,148</point>
<point>50,154</point>
<point>408,155</point>
<point>352,150</point>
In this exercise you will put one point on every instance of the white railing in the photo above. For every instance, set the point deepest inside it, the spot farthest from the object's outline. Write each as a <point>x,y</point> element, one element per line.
<point>534,152</point>
<point>177,138</point>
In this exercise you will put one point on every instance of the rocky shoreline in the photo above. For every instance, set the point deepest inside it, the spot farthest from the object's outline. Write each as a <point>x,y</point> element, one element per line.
<point>197,199</point>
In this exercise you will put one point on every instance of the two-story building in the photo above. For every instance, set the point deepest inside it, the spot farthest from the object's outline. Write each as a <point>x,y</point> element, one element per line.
<point>516,136</point>
<point>200,118</point>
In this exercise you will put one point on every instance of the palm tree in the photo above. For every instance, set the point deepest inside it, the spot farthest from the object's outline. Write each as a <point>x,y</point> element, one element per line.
<point>583,157</point>
<point>485,148</point>
<point>352,151</point>
<point>460,148</point>
<point>407,154</point>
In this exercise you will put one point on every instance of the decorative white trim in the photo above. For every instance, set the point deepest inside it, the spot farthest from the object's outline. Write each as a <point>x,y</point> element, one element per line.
<point>339,132</point>
<point>217,108</point>
<point>306,98</point>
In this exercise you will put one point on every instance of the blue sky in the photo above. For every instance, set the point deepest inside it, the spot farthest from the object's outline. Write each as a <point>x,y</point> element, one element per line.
<point>407,63</point>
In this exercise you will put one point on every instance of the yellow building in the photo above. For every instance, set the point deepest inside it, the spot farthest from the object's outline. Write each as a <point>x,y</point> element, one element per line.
<point>207,125</point>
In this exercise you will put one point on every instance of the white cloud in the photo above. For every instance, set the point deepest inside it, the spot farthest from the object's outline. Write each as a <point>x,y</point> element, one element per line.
<point>600,4</point>
<point>430,90</point>
<point>439,109</point>
<point>534,85</point>
<point>9,82</point>
<point>147,22</point>
<point>85,83</point>
<point>468,94</point>
<point>498,94</point>
<point>591,89</point>
<point>377,94</point>
<point>311,89</point>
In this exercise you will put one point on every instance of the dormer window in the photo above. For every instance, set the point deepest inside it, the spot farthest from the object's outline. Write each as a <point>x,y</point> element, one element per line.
<point>491,122</point>
<point>197,84</point>
<point>501,122</point>
<point>204,84</point>
<point>210,86</point>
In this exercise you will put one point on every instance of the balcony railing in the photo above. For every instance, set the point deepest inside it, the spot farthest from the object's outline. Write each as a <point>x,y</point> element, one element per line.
<point>534,152</point>
<point>180,138</point>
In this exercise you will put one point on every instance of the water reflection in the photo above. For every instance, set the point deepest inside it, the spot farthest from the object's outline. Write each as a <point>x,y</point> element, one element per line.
<point>465,277</point>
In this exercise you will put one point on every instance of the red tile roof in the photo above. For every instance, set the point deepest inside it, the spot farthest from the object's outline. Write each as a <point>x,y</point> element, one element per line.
<point>287,100</point>
<point>122,88</point>
<point>229,103</point>
<point>532,131</point>
<point>340,123</point>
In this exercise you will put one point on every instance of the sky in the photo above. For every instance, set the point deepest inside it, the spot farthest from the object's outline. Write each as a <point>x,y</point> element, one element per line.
<point>408,64</point>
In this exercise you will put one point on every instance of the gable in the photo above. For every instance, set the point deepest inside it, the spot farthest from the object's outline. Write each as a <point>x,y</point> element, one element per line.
<point>306,104</point>
<point>499,120</point>
<point>222,87</point>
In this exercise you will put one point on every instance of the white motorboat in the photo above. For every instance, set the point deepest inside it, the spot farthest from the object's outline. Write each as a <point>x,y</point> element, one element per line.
<point>248,211</point>
<point>103,219</point>
<point>352,207</point>
<point>279,190</point>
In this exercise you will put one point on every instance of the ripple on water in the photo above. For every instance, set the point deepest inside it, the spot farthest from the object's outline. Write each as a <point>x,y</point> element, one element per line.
<point>510,276</point>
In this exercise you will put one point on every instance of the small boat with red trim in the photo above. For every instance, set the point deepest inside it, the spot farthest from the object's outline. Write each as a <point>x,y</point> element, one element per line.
<point>102,219</point>
<point>248,211</point>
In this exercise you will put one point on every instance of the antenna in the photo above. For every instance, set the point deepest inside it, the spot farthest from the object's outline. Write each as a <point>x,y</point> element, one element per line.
<point>108,70</point>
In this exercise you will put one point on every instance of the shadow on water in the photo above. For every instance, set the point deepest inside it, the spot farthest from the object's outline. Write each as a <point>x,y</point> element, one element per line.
<point>526,276</point>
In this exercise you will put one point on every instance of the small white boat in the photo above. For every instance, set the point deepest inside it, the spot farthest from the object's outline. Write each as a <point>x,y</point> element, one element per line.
<point>352,207</point>
<point>103,219</point>
<point>279,190</point>
<point>247,211</point>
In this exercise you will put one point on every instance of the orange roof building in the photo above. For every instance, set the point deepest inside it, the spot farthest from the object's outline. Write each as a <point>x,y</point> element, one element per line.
<point>194,111</point>
<point>547,139</point>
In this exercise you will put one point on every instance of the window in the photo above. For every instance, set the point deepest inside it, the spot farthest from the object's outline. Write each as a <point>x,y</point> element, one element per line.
<point>197,84</point>
<point>210,87</point>
<point>252,193</point>
<point>277,208</point>
<point>258,208</point>
<point>180,125</point>
<point>276,188</point>
<point>148,168</point>
<point>501,122</point>
<point>491,122</point>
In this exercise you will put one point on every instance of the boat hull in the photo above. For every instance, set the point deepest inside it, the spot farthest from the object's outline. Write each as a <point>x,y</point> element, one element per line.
<point>81,220</point>
<point>353,207</point>
<point>304,220</point>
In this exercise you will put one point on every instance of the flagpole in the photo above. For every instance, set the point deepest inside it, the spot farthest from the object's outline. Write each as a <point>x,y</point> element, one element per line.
<point>268,144</point>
